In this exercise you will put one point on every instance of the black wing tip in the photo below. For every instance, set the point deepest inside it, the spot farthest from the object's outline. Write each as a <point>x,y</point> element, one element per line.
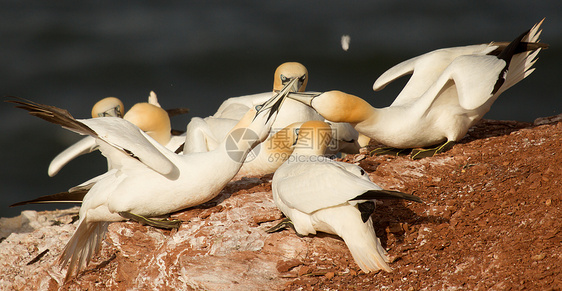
<point>19,204</point>
<point>511,49</point>
<point>366,209</point>
<point>177,111</point>
<point>52,114</point>
<point>70,197</point>
<point>388,194</point>
<point>20,101</point>
<point>44,202</point>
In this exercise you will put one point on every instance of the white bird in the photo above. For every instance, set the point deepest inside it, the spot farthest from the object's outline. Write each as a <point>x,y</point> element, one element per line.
<point>204,134</point>
<point>236,107</point>
<point>266,157</point>
<point>149,117</point>
<point>345,138</point>
<point>146,179</point>
<point>450,90</point>
<point>319,194</point>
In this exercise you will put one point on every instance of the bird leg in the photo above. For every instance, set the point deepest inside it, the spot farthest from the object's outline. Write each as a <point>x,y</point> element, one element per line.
<point>389,151</point>
<point>283,225</point>
<point>424,153</point>
<point>158,223</point>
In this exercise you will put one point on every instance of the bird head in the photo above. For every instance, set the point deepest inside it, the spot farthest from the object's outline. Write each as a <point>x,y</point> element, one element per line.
<point>151,119</point>
<point>313,138</point>
<point>266,113</point>
<point>287,72</point>
<point>109,106</point>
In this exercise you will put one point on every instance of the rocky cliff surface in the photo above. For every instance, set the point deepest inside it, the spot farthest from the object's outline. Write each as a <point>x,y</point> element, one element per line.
<point>491,221</point>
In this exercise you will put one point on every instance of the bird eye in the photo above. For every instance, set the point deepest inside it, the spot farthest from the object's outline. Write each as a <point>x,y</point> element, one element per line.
<point>297,135</point>
<point>258,107</point>
<point>283,78</point>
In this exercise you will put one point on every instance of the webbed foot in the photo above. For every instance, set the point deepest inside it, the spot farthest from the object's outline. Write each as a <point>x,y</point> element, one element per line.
<point>283,225</point>
<point>424,153</point>
<point>390,151</point>
<point>158,223</point>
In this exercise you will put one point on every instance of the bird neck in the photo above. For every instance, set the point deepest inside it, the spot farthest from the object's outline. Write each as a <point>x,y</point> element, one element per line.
<point>313,138</point>
<point>342,107</point>
<point>282,142</point>
<point>240,140</point>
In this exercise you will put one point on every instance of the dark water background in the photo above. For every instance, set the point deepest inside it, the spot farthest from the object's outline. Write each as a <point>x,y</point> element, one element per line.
<point>198,53</point>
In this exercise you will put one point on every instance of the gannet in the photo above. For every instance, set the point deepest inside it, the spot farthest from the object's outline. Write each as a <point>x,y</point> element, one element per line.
<point>236,107</point>
<point>204,134</point>
<point>275,150</point>
<point>149,117</point>
<point>271,153</point>
<point>319,194</point>
<point>450,90</point>
<point>147,179</point>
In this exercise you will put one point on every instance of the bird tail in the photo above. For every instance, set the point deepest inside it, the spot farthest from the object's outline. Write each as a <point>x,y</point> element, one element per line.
<point>521,55</point>
<point>365,246</point>
<point>359,236</point>
<point>83,245</point>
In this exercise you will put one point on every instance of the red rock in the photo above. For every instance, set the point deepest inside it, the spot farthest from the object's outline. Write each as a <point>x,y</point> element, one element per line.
<point>482,229</point>
<point>285,266</point>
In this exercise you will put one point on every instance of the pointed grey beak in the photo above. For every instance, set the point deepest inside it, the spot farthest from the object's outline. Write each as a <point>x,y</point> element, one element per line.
<point>304,97</point>
<point>112,112</point>
<point>274,103</point>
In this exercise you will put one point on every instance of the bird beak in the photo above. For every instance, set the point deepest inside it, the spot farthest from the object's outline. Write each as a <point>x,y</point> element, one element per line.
<point>112,112</point>
<point>304,97</point>
<point>274,103</point>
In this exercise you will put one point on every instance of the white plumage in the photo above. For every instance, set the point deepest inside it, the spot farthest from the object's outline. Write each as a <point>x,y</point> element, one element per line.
<point>204,134</point>
<point>449,91</point>
<point>146,179</point>
<point>149,117</point>
<point>320,194</point>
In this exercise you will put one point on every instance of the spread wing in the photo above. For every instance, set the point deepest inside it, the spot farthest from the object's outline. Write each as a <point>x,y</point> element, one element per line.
<point>83,146</point>
<point>117,132</point>
<point>425,70</point>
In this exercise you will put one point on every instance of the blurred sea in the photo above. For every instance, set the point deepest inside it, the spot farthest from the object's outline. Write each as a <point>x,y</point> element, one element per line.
<point>197,53</point>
